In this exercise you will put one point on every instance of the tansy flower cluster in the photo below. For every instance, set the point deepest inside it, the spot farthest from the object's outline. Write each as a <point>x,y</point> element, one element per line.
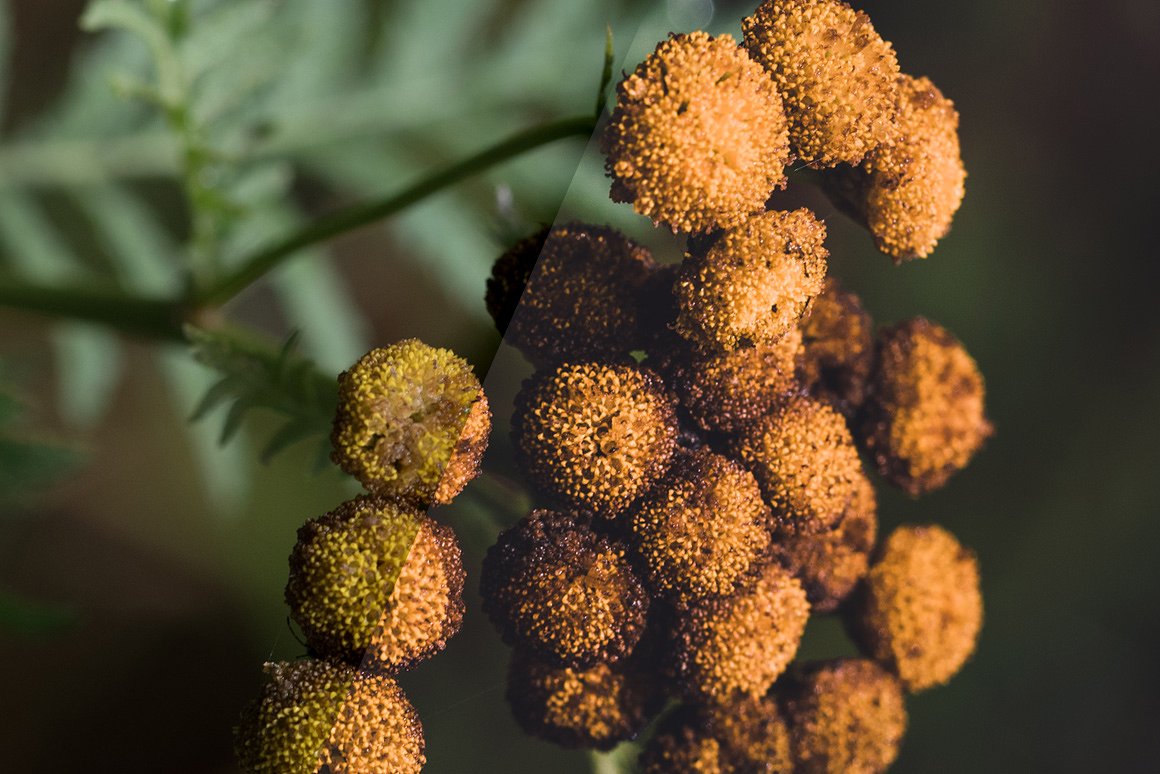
<point>376,585</point>
<point>702,437</point>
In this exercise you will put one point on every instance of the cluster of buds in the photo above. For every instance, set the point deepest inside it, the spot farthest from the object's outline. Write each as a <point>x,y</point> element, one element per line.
<point>699,436</point>
<point>376,585</point>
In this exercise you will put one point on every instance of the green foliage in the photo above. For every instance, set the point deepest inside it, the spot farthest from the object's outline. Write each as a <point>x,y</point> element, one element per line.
<point>281,381</point>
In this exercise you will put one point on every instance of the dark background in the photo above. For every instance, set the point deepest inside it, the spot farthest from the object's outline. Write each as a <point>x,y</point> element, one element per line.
<point>1049,280</point>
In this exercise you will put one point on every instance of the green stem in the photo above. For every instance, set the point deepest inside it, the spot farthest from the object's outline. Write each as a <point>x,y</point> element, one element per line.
<point>152,318</point>
<point>330,226</point>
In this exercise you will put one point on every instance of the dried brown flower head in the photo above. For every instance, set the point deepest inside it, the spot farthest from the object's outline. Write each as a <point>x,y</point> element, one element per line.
<point>580,300</point>
<point>595,435</point>
<point>698,137</point>
<point>921,610</point>
<point>746,735</point>
<point>402,412</point>
<point>702,528</point>
<point>378,582</point>
<point>321,716</point>
<point>554,586</point>
<point>925,416</point>
<point>837,77</point>
<point>725,648</point>
<point>829,564</point>
<point>846,716</point>
<point>915,184</point>
<point>837,352</point>
<point>727,391</point>
<point>597,707</point>
<point>805,461</point>
<point>753,283</point>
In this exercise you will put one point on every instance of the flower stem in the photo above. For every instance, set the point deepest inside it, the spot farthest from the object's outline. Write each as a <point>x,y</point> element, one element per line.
<point>342,221</point>
<point>149,317</point>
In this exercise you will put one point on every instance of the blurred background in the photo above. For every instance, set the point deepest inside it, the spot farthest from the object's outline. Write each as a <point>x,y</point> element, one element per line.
<point>141,590</point>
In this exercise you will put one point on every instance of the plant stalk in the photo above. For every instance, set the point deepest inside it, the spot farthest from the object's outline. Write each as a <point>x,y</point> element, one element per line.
<point>148,317</point>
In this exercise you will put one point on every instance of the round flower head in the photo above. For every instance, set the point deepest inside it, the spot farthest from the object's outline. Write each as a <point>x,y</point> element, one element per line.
<point>846,716</point>
<point>597,707</point>
<point>555,587</point>
<point>915,184</point>
<point>467,456</point>
<point>925,417</point>
<point>377,582</point>
<point>728,647</point>
<point>805,461</point>
<point>698,137</point>
<point>402,411</point>
<point>829,564</point>
<point>595,436</point>
<point>837,348</point>
<point>702,528</point>
<point>753,283</point>
<point>920,610</point>
<point>509,278</point>
<point>320,716</point>
<point>579,301</point>
<point>727,391</point>
<point>836,75</point>
<point>747,735</point>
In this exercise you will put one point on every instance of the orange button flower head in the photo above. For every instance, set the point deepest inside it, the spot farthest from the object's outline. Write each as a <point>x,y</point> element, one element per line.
<point>837,348</point>
<point>594,708</point>
<point>698,137</point>
<point>321,716</point>
<point>742,735</point>
<point>555,587</point>
<point>753,283</point>
<point>579,302</point>
<point>805,461</point>
<point>595,435</point>
<point>920,611</point>
<point>725,648</point>
<point>846,716</point>
<point>925,417</point>
<point>509,278</point>
<point>408,419</point>
<point>727,391</point>
<point>376,582</point>
<point>915,184</point>
<point>702,528</point>
<point>829,564</point>
<point>837,77</point>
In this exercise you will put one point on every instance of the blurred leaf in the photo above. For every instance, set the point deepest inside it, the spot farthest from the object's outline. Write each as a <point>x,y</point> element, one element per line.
<point>281,381</point>
<point>21,615</point>
<point>27,463</point>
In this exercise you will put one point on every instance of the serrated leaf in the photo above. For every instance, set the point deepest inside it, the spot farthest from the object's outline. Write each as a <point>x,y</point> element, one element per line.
<point>233,422</point>
<point>289,434</point>
<point>120,14</point>
<point>221,391</point>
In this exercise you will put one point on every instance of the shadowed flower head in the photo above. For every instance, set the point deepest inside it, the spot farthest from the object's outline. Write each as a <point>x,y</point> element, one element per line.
<point>698,137</point>
<point>836,76</point>
<point>754,281</point>
<point>378,582</point>
<point>837,351</point>
<point>596,708</point>
<point>846,717</point>
<point>579,300</point>
<point>725,648</point>
<point>554,586</point>
<point>316,716</point>
<point>746,735</point>
<point>925,417</point>
<point>920,610</point>
<point>402,413</point>
<point>594,435</point>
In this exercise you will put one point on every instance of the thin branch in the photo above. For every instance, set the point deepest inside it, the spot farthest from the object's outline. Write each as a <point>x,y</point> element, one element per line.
<point>147,317</point>
<point>329,226</point>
